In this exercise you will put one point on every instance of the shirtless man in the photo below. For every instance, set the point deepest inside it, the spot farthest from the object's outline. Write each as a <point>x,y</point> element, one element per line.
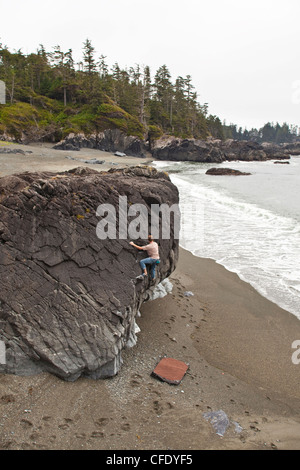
<point>153,257</point>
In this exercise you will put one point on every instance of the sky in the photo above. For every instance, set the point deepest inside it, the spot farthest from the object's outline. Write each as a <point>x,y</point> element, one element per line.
<point>243,56</point>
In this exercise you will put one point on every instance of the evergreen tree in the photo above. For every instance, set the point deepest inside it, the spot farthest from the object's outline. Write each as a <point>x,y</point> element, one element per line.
<point>215,127</point>
<point>63,66</point>
<point>90,79</point>
<point>89,57</point>
<point>145,96</point>
<point>162,103</point>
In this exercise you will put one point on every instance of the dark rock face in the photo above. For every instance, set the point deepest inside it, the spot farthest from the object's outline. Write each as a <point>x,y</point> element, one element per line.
<point>187,149</point>
<point>242,150</point>
<point>225,171</point>
<point>68,299</point>
<point>218,151</point>
<point>292,148</point>
<point>281,151</point>
<point>175,149</point>
<point>111,140</point>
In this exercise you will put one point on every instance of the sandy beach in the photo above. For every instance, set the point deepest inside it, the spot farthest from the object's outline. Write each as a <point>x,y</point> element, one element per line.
<point>238,346</point>
<point>42,157</point>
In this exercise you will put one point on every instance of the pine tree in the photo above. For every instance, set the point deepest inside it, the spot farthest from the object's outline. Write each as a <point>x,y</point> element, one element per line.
<point>63,64</point>
<point>162,103</point>
<point>89,57</point>
<point>91,78</point>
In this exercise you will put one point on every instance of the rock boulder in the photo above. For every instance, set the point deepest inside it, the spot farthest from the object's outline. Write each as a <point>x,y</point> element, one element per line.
<point>110,140</point>
<point>187,150</point>
<point>226,171</point>
<point>68,299</point>
<point>242,150</point>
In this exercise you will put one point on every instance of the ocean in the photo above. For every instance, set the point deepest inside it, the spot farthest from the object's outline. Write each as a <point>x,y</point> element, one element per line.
<point>248,224</point>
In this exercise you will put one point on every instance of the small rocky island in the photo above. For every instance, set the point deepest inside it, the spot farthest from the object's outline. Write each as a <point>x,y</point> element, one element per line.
<point>226,171</point>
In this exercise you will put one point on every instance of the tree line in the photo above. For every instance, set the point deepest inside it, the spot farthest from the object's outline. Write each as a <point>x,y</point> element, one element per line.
<point>270,132</point>
<point>90,90</point>
<point>50,95</point>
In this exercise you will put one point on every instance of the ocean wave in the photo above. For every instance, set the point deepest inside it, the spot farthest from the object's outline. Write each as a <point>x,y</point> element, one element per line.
<point>259,245</point>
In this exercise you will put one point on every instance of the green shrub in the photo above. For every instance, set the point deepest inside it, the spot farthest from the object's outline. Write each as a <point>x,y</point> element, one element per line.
<point>17,118</point>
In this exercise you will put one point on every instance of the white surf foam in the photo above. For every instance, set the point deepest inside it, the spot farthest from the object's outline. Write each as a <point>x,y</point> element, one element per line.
<point>261,246</point>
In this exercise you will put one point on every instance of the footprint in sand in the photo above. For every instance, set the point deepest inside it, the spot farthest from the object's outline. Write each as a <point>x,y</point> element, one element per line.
<point>125,427</point>
<point>135,380</point>
<point>66,424</point>
<point>134,383</point>
<point>157,407</point>
<point>155,392</point>
<point>26,424</point>
<point>46,418</point>
<point>34,436</point>
<point>97,435</point>
<point>102,422</point>
<point>8,399</point>
<point>253,427</point>
<point>63,426</point>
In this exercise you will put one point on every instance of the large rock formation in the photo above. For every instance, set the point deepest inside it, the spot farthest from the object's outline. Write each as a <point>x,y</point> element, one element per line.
<point>110,140</point>
<point>242,150</point>
<point>281,151</point>
<point>292,148</point>
<point>187,149</point>
<point>69,299</point>
<point>216,151</point>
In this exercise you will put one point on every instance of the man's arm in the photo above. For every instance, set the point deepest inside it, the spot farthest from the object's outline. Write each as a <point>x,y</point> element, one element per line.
<point>136,246</point>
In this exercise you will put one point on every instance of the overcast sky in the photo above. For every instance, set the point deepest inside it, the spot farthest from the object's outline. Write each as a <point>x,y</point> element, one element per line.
<point>243,56</point>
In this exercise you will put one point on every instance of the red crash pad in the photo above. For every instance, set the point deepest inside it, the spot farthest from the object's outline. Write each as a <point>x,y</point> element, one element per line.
<point>170,370</point>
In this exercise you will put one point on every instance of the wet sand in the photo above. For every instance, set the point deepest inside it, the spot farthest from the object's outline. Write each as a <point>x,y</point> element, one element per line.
<point>238,346</point>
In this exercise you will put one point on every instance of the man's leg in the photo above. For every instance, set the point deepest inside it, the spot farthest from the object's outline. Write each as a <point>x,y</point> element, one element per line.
<point>152,270</point>
<point>143,264</point>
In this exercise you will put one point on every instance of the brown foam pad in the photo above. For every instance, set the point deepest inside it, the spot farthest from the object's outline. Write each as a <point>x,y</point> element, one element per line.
<point>170,370</point>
